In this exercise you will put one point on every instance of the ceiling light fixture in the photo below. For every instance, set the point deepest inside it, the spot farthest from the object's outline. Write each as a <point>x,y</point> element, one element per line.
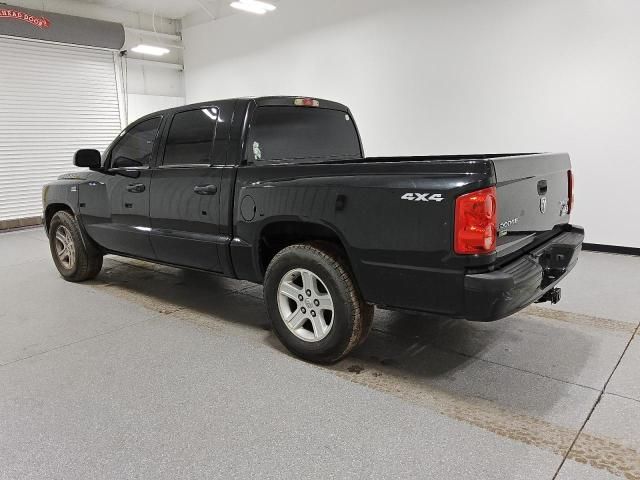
<point>150,50</point>
<point>253,6</point>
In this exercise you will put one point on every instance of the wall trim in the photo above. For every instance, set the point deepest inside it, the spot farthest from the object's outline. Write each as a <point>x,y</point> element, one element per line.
<point>154,63</point>
<point>20,223</point>
<point>597,247</point>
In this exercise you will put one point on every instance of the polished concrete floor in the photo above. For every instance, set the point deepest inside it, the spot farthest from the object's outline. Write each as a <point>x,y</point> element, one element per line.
<point>152,372</point>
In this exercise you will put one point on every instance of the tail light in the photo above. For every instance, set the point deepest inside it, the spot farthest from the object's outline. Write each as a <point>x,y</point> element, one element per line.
<point>570,181</point>
<point>306,102</point>
<point>476,222</point>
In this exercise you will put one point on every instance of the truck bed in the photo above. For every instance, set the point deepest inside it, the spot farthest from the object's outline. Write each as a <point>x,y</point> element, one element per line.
<point>400,245</point>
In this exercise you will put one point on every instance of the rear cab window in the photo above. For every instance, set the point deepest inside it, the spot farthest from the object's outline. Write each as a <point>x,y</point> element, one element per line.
<point>293,134</point>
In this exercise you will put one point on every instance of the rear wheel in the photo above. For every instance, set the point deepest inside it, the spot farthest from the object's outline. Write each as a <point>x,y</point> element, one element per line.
<point>75,260</point>
<point>315,308</point>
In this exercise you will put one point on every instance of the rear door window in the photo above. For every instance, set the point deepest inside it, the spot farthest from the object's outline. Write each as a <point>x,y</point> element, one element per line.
<point>284,134</point>
<point>190,137</point>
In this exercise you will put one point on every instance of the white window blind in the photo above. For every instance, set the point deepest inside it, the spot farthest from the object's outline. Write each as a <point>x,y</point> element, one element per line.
<point>54,99</point>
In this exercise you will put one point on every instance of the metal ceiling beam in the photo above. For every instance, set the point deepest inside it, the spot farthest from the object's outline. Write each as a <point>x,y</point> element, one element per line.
<point>207,8</point>
<point>149,33</point>
<point>151,63</point>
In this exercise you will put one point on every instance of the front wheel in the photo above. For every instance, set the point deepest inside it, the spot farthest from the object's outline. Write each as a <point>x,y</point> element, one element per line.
<point>315,307</point>
<point>75,260</point>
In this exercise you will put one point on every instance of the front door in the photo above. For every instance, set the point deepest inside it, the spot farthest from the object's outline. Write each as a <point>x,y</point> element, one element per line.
<point>114,203</point>
<point>185,197</point>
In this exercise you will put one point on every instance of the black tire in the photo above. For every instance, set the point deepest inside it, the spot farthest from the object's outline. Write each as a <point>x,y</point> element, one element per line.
<point>352,317</point>
<point>87,261</point>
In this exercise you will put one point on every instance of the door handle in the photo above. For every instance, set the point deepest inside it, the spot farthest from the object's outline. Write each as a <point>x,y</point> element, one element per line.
<point>205,189</point>
<point>136,187</point>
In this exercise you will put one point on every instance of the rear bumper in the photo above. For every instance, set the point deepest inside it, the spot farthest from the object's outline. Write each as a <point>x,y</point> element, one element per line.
<point>494,295</point>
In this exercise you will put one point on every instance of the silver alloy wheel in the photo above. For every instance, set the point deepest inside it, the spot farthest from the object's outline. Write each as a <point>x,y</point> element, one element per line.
<point>65,248</point>
<point>305,305</point>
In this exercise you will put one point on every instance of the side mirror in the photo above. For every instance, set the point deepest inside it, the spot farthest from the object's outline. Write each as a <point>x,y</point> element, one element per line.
<point>87,157</point>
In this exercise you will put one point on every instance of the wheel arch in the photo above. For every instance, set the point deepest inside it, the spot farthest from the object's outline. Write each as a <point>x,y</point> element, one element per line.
<point>280,234</point>
<point>52,209</point>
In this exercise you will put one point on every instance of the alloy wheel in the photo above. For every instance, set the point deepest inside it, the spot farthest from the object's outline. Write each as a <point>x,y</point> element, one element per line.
<point>305,305</point>
<point>65,248</point>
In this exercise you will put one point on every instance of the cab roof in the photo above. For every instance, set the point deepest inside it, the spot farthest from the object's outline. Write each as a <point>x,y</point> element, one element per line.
<point>259,101</point>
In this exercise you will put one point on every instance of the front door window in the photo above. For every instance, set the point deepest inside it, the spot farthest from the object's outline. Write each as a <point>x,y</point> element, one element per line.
<point>134,149</point>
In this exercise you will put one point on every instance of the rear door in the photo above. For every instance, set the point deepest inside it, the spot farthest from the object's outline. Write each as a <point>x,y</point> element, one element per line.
<point>114,204</point>
<point>185,188</point>
<point>533,198</point>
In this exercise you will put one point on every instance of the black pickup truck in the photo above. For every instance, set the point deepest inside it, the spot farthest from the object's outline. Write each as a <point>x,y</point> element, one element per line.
<point>276,190</point>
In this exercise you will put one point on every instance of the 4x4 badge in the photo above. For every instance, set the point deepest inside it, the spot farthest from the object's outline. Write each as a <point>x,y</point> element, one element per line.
<point>423,197</point>
<point>543,204</point>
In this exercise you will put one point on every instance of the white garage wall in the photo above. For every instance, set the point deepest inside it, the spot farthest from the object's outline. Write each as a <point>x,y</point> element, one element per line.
<point>455,76</point>
<point>151,88</point>
<point>141,105</point>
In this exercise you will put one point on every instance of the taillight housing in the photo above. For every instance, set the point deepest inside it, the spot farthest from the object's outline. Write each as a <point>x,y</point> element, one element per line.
<point>476,222</point>
<point>306,102</point>
<point>570,183</point>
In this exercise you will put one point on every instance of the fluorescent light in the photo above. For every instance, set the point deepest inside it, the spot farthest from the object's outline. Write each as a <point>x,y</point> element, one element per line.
<point>248,7</point>
<point>150,50</point>
<point>253,6</point>
<point>264,5</point>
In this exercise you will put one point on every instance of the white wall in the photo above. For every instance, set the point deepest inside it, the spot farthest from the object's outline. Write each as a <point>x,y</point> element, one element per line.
<point>141,105</point>
<point>455,76</point>
<point>152,88</point>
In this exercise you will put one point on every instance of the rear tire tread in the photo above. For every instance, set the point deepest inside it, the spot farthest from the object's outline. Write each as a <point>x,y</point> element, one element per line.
<point>362,313</point>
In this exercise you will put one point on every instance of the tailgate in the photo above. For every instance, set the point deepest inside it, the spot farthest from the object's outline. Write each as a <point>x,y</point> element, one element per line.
<point>533,198</point>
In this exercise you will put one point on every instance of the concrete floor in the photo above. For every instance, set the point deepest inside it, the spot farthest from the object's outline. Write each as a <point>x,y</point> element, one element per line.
<point>152,372</point>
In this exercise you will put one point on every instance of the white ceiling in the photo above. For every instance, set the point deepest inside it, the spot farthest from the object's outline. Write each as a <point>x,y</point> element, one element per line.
<point>162,8</point>
<point>174,9</point>
<point>138,13</point>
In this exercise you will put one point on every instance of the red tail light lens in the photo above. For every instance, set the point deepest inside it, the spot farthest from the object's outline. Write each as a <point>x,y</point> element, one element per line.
<point>476,222</point>
<point>306,102</point>
<point>570,180</point>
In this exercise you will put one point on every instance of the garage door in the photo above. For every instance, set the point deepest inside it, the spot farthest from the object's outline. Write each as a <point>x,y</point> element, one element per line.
<point>54,99</point>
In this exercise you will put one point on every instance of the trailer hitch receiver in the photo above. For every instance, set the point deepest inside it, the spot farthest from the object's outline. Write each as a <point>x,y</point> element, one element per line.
<point>552,296</point>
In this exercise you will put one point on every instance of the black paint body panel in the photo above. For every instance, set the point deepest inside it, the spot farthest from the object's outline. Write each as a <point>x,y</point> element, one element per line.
<point>389,241</point>
<point>497,294</point>
<point>401,251</point>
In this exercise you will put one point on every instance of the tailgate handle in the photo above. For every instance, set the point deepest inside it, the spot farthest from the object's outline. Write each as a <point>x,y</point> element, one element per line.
<point>542,187</point>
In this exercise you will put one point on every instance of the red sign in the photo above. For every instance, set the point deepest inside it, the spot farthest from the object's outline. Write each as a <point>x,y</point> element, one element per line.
<point>40,22</point>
